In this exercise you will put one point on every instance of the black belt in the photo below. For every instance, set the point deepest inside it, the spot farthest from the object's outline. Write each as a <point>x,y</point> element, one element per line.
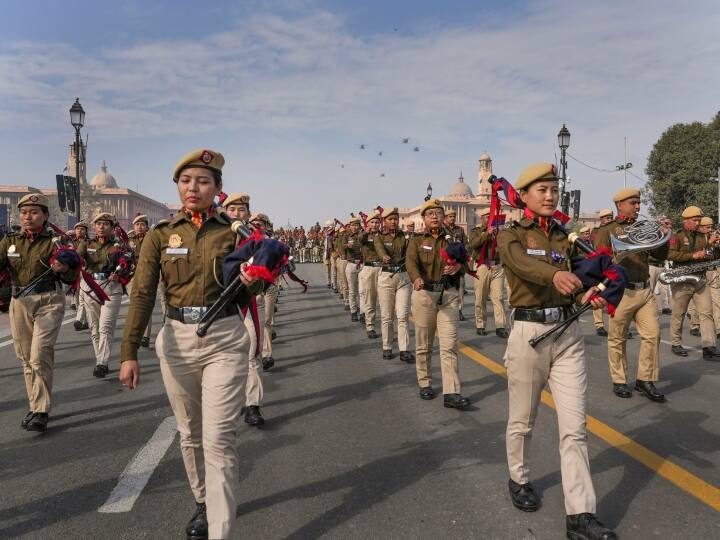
<point>48,286</point>
<point>393,269</point>
<point>191,315</point>
<point>435,287</point>
<point>637,285</point>
<point>373,264</point>
<point>542,315</point>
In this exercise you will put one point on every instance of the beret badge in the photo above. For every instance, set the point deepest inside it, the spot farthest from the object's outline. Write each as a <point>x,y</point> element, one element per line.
<point>206,157</point>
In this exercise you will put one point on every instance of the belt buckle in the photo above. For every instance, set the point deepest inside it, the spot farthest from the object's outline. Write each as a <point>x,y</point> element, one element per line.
<point>192,314</point>
<point>552,315</point>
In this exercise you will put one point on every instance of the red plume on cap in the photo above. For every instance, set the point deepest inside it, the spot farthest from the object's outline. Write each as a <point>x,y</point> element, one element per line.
<point>222,197</point>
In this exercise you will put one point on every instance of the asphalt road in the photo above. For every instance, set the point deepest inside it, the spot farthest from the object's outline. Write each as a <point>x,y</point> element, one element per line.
<point>350,451</point>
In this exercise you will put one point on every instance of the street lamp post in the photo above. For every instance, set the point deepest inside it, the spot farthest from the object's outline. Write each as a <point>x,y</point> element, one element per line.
<point>77,119</point>
<point>564,144</point>
<point>429,192</point>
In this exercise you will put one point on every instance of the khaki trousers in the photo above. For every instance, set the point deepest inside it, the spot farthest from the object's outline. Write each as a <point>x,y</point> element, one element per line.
<point>714,283</point>
<point>80,314</point>
<point>205,383</point>
<point>344,289</point>
<point>461,292</point>
<point>269,300</point>
<point>369,276</point>
<point>561,365</point>
<point>254,386</point>
<point>102,320</point>
<point>598,319</point>
<point>429,319</point>
<point>35,324</point>
<point>351,273</point>
<point>663,290</point>
<point>490,282</point>
<point>682,293</point>
<point>327,263</point>
<point>334,272</point>
<point>638,306</point>
<point>148,328</point>
<point>394,294</point>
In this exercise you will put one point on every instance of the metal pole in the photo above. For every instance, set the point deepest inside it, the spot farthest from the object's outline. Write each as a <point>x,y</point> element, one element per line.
<point>77,173</point>
<point>625,162</point>
<point>563,164</point>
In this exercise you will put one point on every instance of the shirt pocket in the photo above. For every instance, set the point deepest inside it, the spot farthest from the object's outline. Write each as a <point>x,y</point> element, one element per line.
<point>176,269</point>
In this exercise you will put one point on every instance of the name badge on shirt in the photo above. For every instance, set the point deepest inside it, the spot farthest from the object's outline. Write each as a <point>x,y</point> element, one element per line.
<point>536,251</point>
<point>91,250</point>
<point>176,251</point>
<point>427,248</point>
<point>388,244</point>
<point>13,255</point>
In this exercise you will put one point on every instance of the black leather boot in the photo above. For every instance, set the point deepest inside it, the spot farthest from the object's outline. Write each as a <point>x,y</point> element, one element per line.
<point>197,528</point>
<point>253,416</point>
<point>587,527</point>
<point>38,422</point>
<point>523,496</point>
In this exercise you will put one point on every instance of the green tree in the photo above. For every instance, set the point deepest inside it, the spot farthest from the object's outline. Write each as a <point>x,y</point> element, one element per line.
<point>680,168</point>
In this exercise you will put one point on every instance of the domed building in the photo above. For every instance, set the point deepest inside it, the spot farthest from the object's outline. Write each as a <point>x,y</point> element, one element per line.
<point>101,194</point>
<point>467,206</point>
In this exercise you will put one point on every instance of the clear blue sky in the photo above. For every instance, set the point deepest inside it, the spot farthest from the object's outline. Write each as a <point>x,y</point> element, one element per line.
<point>289,90</point>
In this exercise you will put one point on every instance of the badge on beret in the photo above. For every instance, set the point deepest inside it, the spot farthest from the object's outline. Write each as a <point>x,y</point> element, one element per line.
<point>11,249</point>
<point>34,198</point>
<point>175,241</point>
<point>206,157</point>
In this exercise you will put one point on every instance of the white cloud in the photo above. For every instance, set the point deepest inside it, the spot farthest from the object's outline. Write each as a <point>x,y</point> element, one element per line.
<point>307,85</point>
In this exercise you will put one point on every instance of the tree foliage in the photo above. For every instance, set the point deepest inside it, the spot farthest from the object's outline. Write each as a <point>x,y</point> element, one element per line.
<point>680,168</point>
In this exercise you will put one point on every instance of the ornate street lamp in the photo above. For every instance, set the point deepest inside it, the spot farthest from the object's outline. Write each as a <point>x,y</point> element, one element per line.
<point>77,119</point>
<point>429,192</point>
<point>564,144</point>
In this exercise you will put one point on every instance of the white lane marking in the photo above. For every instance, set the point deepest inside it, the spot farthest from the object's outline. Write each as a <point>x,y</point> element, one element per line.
<point>66,321</point>
<point>136,475</point>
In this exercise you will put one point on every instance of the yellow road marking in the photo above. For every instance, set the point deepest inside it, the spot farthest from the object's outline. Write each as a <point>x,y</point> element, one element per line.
<point>683,479</point>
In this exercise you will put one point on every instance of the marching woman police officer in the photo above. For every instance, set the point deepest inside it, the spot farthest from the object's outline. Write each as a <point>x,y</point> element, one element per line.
<point>36,315</point>
<point>140,224</point>
<point>435,305</point>
<point>204,376</point>
<point>535,253</point>
<point>102,318</point>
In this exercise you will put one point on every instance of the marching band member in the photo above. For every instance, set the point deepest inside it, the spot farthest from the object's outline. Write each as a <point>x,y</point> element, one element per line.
<point>638,304</point>
<point>36,310</point>
<point>535,253</point>
<point>368,277</point>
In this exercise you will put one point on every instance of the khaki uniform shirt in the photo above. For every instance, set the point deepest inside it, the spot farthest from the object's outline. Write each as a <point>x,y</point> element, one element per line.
<point>526,252</point>
<point>96,254</point>
<point>369,254</point>
<point>684,243</point>
<point>191,271</point>
<point>392,245</point>
<point>340,245</point>
<point>26,259</point>
<point>423,258</point>
<point>458,234</point>
<point>353,247</point>
<point>636,264</point>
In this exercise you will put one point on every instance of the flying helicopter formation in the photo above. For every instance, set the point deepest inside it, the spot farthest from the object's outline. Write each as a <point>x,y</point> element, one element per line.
<point>380,152</point>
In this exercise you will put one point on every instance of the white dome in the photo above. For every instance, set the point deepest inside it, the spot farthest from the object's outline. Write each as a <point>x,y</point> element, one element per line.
<point>485,157</point>
<point>461,189</point>
<point>103,179</point>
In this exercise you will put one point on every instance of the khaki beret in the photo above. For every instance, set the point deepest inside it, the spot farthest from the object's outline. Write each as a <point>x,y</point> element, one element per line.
<point>584,229</point>
<point>535,173</point>
<point>605,212</point>
<point>374,215</point>
<point>484,212</point>
<point>707,220</point>
<point>81,224</point>
<point>691,212</point>
<point>451,212</point>
<point>208,159</point>
<point>626,193</point>
<point>391,212</point>
<point>329,223</point>
<point>33,199</point>
<point>260,217</point>
<point>105,216</point>
<point>237,198</point>
<point>139,218</point>
<point>429,205</point>
<point>353,220</point>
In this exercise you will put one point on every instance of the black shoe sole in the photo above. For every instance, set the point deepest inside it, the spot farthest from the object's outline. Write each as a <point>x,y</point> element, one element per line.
<point>525,508</point>
<point>38,429</point>
<point>458,407</point>
<point>623,395</point>
<point>196,537</point>
<point>428,397</point>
